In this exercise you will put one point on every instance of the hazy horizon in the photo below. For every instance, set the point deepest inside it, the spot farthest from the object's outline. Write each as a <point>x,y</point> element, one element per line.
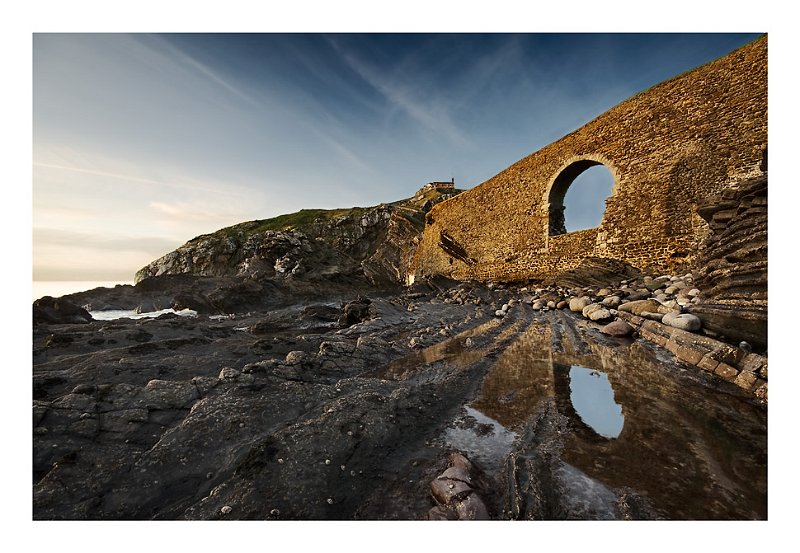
<point>142,142</point>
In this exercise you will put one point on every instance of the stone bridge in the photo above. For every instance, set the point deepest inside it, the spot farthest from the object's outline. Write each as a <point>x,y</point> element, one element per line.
<point>668,149</point>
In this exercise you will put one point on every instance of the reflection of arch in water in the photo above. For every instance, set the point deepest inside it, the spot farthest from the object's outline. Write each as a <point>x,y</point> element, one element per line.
<point>563,397</point>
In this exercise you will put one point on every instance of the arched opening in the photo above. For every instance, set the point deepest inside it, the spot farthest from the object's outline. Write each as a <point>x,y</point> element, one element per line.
<point>577,196</point>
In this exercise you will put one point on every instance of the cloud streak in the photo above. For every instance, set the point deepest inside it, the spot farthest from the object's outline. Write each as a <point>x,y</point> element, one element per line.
<point>434,118</point>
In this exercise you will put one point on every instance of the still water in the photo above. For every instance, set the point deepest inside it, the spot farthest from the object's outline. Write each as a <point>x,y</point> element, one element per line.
<point>632,422</point>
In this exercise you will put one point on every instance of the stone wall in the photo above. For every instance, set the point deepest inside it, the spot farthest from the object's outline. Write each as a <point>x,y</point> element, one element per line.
<point>669,148</point>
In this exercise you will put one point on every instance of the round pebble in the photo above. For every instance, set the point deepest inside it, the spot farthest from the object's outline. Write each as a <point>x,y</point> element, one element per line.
<point>226,509</point>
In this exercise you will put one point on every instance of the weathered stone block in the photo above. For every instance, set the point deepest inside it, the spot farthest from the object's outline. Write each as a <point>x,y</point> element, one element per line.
<point>687,354</point>
<point>726,371</point>
<point>745,380</point>
<point>707,363</point>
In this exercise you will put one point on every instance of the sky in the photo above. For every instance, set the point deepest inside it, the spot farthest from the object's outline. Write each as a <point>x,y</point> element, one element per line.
<point>144,141</point>
<point>152,124</point>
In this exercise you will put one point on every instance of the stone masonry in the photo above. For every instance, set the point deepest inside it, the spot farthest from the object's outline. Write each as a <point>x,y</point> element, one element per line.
<point>669,149</point>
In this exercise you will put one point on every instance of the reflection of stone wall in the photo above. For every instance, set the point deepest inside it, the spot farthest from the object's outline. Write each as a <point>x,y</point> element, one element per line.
<point>669,148</point>
<point>520,379</point>
<point>675,445</point>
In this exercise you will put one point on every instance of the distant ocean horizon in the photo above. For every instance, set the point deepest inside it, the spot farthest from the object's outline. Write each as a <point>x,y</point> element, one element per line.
<point>57,288</point>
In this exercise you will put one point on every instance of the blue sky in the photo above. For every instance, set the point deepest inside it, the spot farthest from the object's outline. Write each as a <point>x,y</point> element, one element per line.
<point>143,141</point>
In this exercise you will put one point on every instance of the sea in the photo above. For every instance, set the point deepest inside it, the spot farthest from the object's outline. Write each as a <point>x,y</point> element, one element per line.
<point>58,288</point>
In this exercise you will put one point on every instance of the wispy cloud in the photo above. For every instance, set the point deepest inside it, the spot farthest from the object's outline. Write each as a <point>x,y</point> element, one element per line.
<point>184,183</point>
<point>430,114</point>
<point>169,51</point>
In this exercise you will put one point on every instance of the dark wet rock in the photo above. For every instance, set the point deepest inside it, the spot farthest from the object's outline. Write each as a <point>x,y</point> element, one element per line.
<point>472,508</point>
<point>446,491</point>
<point>441,513</point>
<point>355,312</point>
<point>59,311</point>
<point>205,414</point>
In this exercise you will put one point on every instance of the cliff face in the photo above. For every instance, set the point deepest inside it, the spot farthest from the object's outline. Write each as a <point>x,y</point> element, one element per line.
<point>375,243</point>
<point>733,263</point>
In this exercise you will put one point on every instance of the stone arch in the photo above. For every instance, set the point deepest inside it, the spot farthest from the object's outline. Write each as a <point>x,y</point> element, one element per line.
<point>559,184</point>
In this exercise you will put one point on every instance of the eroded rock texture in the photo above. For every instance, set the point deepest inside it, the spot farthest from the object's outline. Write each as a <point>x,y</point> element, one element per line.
<point>733,263</point>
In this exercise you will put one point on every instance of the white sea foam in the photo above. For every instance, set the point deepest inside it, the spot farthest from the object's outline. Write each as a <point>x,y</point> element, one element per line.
<point>111,314</point>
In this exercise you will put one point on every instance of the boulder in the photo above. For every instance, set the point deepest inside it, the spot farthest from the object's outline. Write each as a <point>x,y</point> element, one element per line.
<point>640,306</point>
<point>577,304</point>
<point>355,312</point>
<point>611,301</point>
<point>58,311</point>
<point>618,328</point>
<point>683,321</point>
<point>596,312</point>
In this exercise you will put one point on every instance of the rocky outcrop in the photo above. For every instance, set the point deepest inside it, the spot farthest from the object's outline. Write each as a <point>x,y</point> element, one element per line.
<point>375,244</point>
<point>733,263</point>
<point>52,310</point>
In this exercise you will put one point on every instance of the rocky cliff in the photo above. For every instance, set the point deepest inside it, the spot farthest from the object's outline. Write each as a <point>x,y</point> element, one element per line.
<point>375,243</point>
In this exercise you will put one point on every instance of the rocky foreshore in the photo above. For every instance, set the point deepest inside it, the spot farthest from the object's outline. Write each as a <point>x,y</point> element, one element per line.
<point>342,408</point>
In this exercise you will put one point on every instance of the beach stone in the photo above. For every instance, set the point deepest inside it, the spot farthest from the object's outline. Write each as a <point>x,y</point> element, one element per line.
<point>683,321</point>
<point>500,313</point>
<point>617,328</point>
<point>577,304</point>
<point>694,292</point>
<point>604,292</point>
<point>537,305</point>
<point>457,473</point>
<point>654,285</point>
<point>446,491</point>
<point>596,312</point>
<point>611,301</point>
<point>460,462</point>
<point>638,295</point>
<point>562,304</point>
<point>640,306</point>
<point>601,314</point>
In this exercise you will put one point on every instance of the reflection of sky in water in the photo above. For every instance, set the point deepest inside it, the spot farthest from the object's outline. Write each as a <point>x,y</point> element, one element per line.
<point>593,400</point>
<point>488,448</point>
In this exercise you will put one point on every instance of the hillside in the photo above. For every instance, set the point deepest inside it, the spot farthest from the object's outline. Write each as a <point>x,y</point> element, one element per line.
<point>376,243</point>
